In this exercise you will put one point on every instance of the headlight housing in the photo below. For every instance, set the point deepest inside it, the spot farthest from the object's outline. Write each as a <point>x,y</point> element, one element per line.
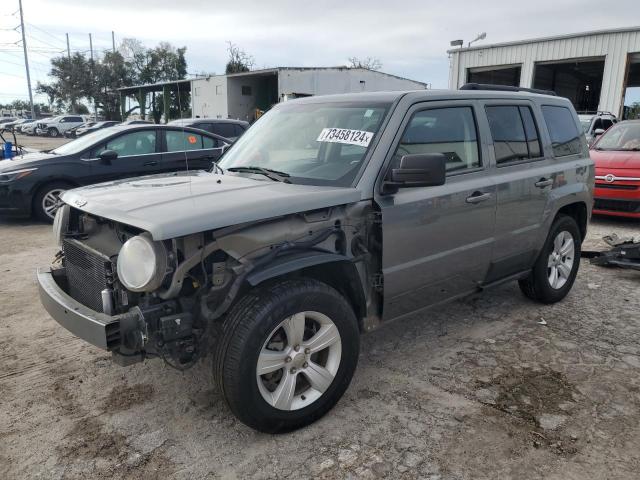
<point>60,223</point>
<point>142,263</point>
<point>6,177</point>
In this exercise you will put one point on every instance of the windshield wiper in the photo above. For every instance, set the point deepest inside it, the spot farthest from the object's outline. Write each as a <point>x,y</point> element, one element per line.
<point>267,172</point>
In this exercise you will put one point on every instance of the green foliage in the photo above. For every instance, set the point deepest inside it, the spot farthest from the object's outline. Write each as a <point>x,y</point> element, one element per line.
<point>23,105</point>
<point>79,80</point>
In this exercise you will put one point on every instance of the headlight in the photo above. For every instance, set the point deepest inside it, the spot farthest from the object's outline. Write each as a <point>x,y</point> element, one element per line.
<point>7,177</point>
<point>60,222</point>
<point>142,263</point>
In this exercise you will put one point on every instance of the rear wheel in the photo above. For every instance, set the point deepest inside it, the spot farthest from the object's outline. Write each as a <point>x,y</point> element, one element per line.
<point>287,354</point>
<point>45,202</point>
<point>556,268</point>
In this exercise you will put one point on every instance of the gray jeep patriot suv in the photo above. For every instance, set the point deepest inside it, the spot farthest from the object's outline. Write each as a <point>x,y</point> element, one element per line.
<point>327,218</point>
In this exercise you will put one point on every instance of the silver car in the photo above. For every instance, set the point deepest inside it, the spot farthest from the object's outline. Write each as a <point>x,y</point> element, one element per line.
<point>328,218</point>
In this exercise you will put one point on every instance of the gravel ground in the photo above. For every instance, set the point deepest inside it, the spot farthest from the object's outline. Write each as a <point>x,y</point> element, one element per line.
<point>476,389</point>
<point>39,143</point>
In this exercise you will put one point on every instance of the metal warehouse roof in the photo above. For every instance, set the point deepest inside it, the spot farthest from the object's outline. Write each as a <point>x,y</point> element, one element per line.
<point>547,39</point>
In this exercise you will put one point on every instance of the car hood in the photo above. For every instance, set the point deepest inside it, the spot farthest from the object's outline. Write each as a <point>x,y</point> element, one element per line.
<point>178,204</point>
<point>618,160</point>
<point>25,161</point>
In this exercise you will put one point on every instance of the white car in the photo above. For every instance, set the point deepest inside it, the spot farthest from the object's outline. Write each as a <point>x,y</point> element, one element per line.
<point>28,128</point>
<point>596,125</point>
<point>56,126</point>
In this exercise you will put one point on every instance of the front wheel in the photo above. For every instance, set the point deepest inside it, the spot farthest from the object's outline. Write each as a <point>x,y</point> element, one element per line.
<point>46,200</point>
<point>287,354</point>
<point>557,265</point>
<point>53,132</point>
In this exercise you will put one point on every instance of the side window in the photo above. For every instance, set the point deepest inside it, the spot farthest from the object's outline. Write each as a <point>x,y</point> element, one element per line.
<point>210,142</point>
<point>74,119</point>
<point>224,129</point>
<point>514,133</point>
<point>179,141</point>
<point>451,131</point>
<point>606,123</point>
<point>239,130</point>
<point>563,131</point>
<point>135,143</point>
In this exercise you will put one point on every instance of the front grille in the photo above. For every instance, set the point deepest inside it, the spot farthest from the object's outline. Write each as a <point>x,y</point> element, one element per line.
<point>627,206</point>
<point>616,186</point>
<point>88,273</point>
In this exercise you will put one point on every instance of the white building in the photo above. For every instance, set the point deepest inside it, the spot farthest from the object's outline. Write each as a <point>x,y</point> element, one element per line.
<point>239,95</point>
<point>597,71</point>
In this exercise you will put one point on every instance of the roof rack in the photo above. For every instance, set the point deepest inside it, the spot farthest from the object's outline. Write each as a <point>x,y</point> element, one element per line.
<point>505,88</point>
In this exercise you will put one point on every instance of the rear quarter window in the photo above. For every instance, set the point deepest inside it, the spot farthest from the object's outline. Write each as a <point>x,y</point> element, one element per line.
<point>565,137</point>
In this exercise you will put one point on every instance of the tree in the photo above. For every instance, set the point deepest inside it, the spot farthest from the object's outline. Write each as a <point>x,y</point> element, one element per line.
<point>111,73</point>
<point>72,80</point>
<point>239,60</point>
<point>368,63</point>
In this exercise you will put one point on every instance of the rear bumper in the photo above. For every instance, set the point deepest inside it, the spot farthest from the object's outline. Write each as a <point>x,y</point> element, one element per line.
<point>96,328</point>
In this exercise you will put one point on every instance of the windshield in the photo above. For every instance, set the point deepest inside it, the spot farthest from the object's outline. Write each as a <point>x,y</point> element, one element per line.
<point>312,143</point>
<point>622,136</point>
<point>82,143</point>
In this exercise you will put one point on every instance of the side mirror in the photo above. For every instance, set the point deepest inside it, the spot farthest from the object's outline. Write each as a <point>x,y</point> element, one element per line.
<point>419,170</point>
<point>598,131</point>
<point>106,156</point>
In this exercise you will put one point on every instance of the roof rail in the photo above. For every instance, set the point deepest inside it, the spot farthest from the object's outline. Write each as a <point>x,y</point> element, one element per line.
<point>505,88</point>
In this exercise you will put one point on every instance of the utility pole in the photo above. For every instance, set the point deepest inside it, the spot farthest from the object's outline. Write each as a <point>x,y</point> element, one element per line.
<point>113,41</point>
<point>26,61</point>
<point>95,106</point>
<point>68,48</point>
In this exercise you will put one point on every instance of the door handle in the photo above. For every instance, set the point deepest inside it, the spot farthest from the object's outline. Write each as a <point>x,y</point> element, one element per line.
<point>477,197</point>
<point>544,182</point>
<point>152,163</point>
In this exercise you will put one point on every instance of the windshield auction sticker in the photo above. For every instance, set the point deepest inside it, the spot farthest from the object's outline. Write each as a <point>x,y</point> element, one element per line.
<point>345,135</point>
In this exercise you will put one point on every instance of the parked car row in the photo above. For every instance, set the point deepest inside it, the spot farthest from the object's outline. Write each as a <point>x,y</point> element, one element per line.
<point>31,184</point>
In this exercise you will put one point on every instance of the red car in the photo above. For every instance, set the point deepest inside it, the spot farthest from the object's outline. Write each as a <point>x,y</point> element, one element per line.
<point>617,157</point>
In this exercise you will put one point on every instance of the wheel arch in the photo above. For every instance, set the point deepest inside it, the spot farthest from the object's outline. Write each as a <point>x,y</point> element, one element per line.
<point>333,269</point>
<point>579,212</point>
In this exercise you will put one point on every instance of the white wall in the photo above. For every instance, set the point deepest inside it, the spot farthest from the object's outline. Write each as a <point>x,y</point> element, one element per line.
<point>613,45</point>
<point>340,80</point>
<point>209,97</point>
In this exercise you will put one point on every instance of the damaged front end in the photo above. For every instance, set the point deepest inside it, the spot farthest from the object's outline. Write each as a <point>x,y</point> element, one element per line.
<point>118,288</point>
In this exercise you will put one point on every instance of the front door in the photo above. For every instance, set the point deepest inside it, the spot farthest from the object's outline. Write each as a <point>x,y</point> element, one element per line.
<point>138,154</point>
<point>437,241</point>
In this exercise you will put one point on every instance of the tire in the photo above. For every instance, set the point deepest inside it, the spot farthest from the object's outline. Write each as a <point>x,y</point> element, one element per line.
<point>44,197</point>
<point>542,285</point>
<point>53,132</point>
<point>267,315</point>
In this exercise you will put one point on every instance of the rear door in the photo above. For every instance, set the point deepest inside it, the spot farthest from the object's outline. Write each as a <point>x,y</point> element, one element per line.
<point>525,175</point>
<point>188,150</point>
<point>138,154</point>
<point>437,241</point>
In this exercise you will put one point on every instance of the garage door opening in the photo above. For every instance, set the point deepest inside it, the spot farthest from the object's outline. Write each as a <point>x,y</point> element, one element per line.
<point>578,80</point>
<point>631,108</point>
<point>507,75</point>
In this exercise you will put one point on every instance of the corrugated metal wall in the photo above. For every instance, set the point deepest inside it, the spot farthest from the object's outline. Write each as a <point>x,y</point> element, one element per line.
<point>614,46</point>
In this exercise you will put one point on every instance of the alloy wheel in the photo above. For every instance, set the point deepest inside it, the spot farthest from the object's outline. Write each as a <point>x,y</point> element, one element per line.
<point>561,258</point>
<point>50,202</point>
<point>299,361</point>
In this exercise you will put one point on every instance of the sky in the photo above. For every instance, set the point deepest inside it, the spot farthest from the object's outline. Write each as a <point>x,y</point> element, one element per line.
<point>409,37</point>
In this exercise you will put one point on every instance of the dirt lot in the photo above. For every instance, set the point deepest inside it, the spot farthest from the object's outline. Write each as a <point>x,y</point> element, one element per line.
<point>39,143</point>
<point>477,389</point>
